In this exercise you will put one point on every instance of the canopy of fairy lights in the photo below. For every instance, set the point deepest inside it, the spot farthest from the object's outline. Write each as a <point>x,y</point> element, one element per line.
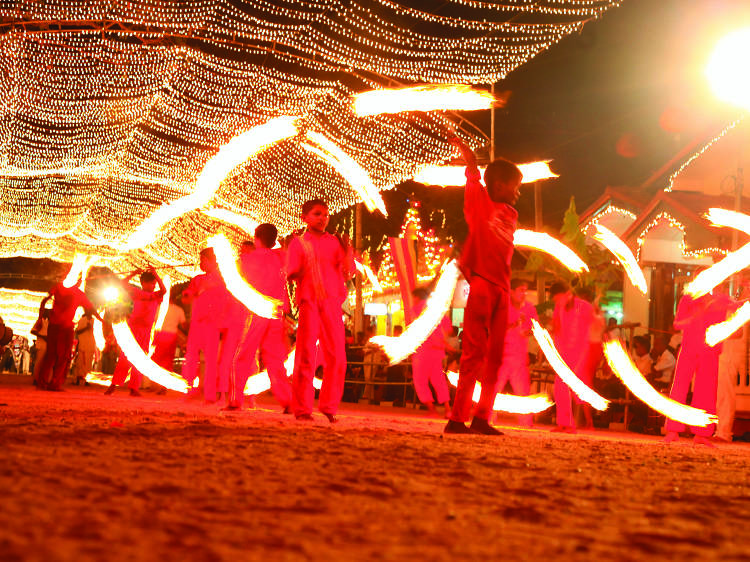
<point>110,110</point>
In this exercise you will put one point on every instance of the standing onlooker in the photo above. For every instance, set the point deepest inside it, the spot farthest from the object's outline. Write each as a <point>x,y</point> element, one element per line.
<point>40,344</point>
<point>86,348</point>
<point>320,264</point>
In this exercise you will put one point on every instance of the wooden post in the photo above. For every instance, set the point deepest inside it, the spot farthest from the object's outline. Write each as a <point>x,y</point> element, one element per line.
<point>538,223</point>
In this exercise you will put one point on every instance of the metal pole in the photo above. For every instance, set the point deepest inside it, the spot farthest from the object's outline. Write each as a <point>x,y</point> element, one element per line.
<point>492,126</point>
<point>538,226</point>
<point>358,305</point>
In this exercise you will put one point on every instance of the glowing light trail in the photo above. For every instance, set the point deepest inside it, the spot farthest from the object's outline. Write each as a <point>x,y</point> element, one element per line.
<point>350,170</point>
<point>456,175</point>
<point>399,348</point>
<point>230,155</point>
<point>575,384</point>
<point>256,302</point>
<point>719,332</point>
<point>362,268</point>
<point>708,279</point>
<point>142,362</point>
<point>508,402</point>
<point>458,97</point>
<point>632,378</point>
<point>623,254</point>
<point>551,246</point>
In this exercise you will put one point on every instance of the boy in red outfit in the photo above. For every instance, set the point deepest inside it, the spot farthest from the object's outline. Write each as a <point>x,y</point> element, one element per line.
<point>141,320</point>
<point>485,262</point>
<point>263,268</point>
<point>320,264</point>
<point>61,333</point>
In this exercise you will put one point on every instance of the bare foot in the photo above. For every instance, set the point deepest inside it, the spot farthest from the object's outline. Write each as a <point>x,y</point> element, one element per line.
<point>671,437</point>
<point>700,440</point>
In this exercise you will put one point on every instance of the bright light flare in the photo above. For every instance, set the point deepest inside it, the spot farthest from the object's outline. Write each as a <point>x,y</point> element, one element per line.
<point>256,302</point>
<point>727,69</point>
<point>456,175</point>
<point>367,272</point>
<point>230,155</point>
<point>111,294</point>
<point>632,378</point>
<point>439,97</point>
<point>415,334</point>
<point>583,391</point>
<point>143,362</point>
<point>545,243</point>
<point>717,333</point>
<point>614,244</point>
<point>508,402</point>
<point>350,170</point>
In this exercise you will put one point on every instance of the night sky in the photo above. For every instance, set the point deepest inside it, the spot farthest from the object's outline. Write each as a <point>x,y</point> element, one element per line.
<point>634,76</point>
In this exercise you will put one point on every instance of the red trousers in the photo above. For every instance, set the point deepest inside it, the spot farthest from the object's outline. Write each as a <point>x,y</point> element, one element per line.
<point>142,335</point>
<point>703,364</point>
<point>485,324</point>
<point>57,357</point>
<point>267,336</point>
<point>165,346</point>
<point>323,321</point>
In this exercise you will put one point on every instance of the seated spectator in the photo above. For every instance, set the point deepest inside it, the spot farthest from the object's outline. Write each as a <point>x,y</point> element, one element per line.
<point>641,355</point>
<point>662,370</point>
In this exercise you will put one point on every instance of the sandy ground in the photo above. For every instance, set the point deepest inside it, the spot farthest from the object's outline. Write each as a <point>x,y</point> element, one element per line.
<point>89,477</point>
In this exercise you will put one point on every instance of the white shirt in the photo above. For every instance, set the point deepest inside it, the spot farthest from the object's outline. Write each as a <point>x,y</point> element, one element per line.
<point>665,366</point>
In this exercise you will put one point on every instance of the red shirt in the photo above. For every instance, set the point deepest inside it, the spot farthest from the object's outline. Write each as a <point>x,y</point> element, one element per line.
<point>320,266</point>
<point>263,268</point>
<point>489,247</point>
<point>145,305</point>
<point>67,300</point>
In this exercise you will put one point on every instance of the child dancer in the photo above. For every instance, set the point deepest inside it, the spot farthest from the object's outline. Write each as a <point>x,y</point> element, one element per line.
<point>263,268</point>
<point>208,296</point>
<point>515,367</point>
<point>141,320</point>
<point>485,262</point>
<point>320,264</point>
<point>427,361</point>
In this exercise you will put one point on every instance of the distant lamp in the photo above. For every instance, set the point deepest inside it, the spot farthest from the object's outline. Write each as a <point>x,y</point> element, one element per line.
<point>727,69</point>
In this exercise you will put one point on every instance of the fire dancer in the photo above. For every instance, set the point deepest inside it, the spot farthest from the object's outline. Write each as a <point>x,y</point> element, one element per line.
<point>697,360</point>
<point>208,296</point>
<point>485,262</point>
<point>166,338</point>
<point>61,333</point>
<point>263,268</point>
<point>427,361</point>
<point>141,320</point>
<point>320,264</point>
<point>515,367</point>
<point>571,325</point>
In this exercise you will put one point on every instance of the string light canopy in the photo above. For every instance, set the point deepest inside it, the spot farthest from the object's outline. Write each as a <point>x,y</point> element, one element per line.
<point>110,110</point>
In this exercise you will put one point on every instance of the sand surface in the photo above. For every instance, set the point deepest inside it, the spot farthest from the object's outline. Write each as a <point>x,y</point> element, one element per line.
<point>89,477</point>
